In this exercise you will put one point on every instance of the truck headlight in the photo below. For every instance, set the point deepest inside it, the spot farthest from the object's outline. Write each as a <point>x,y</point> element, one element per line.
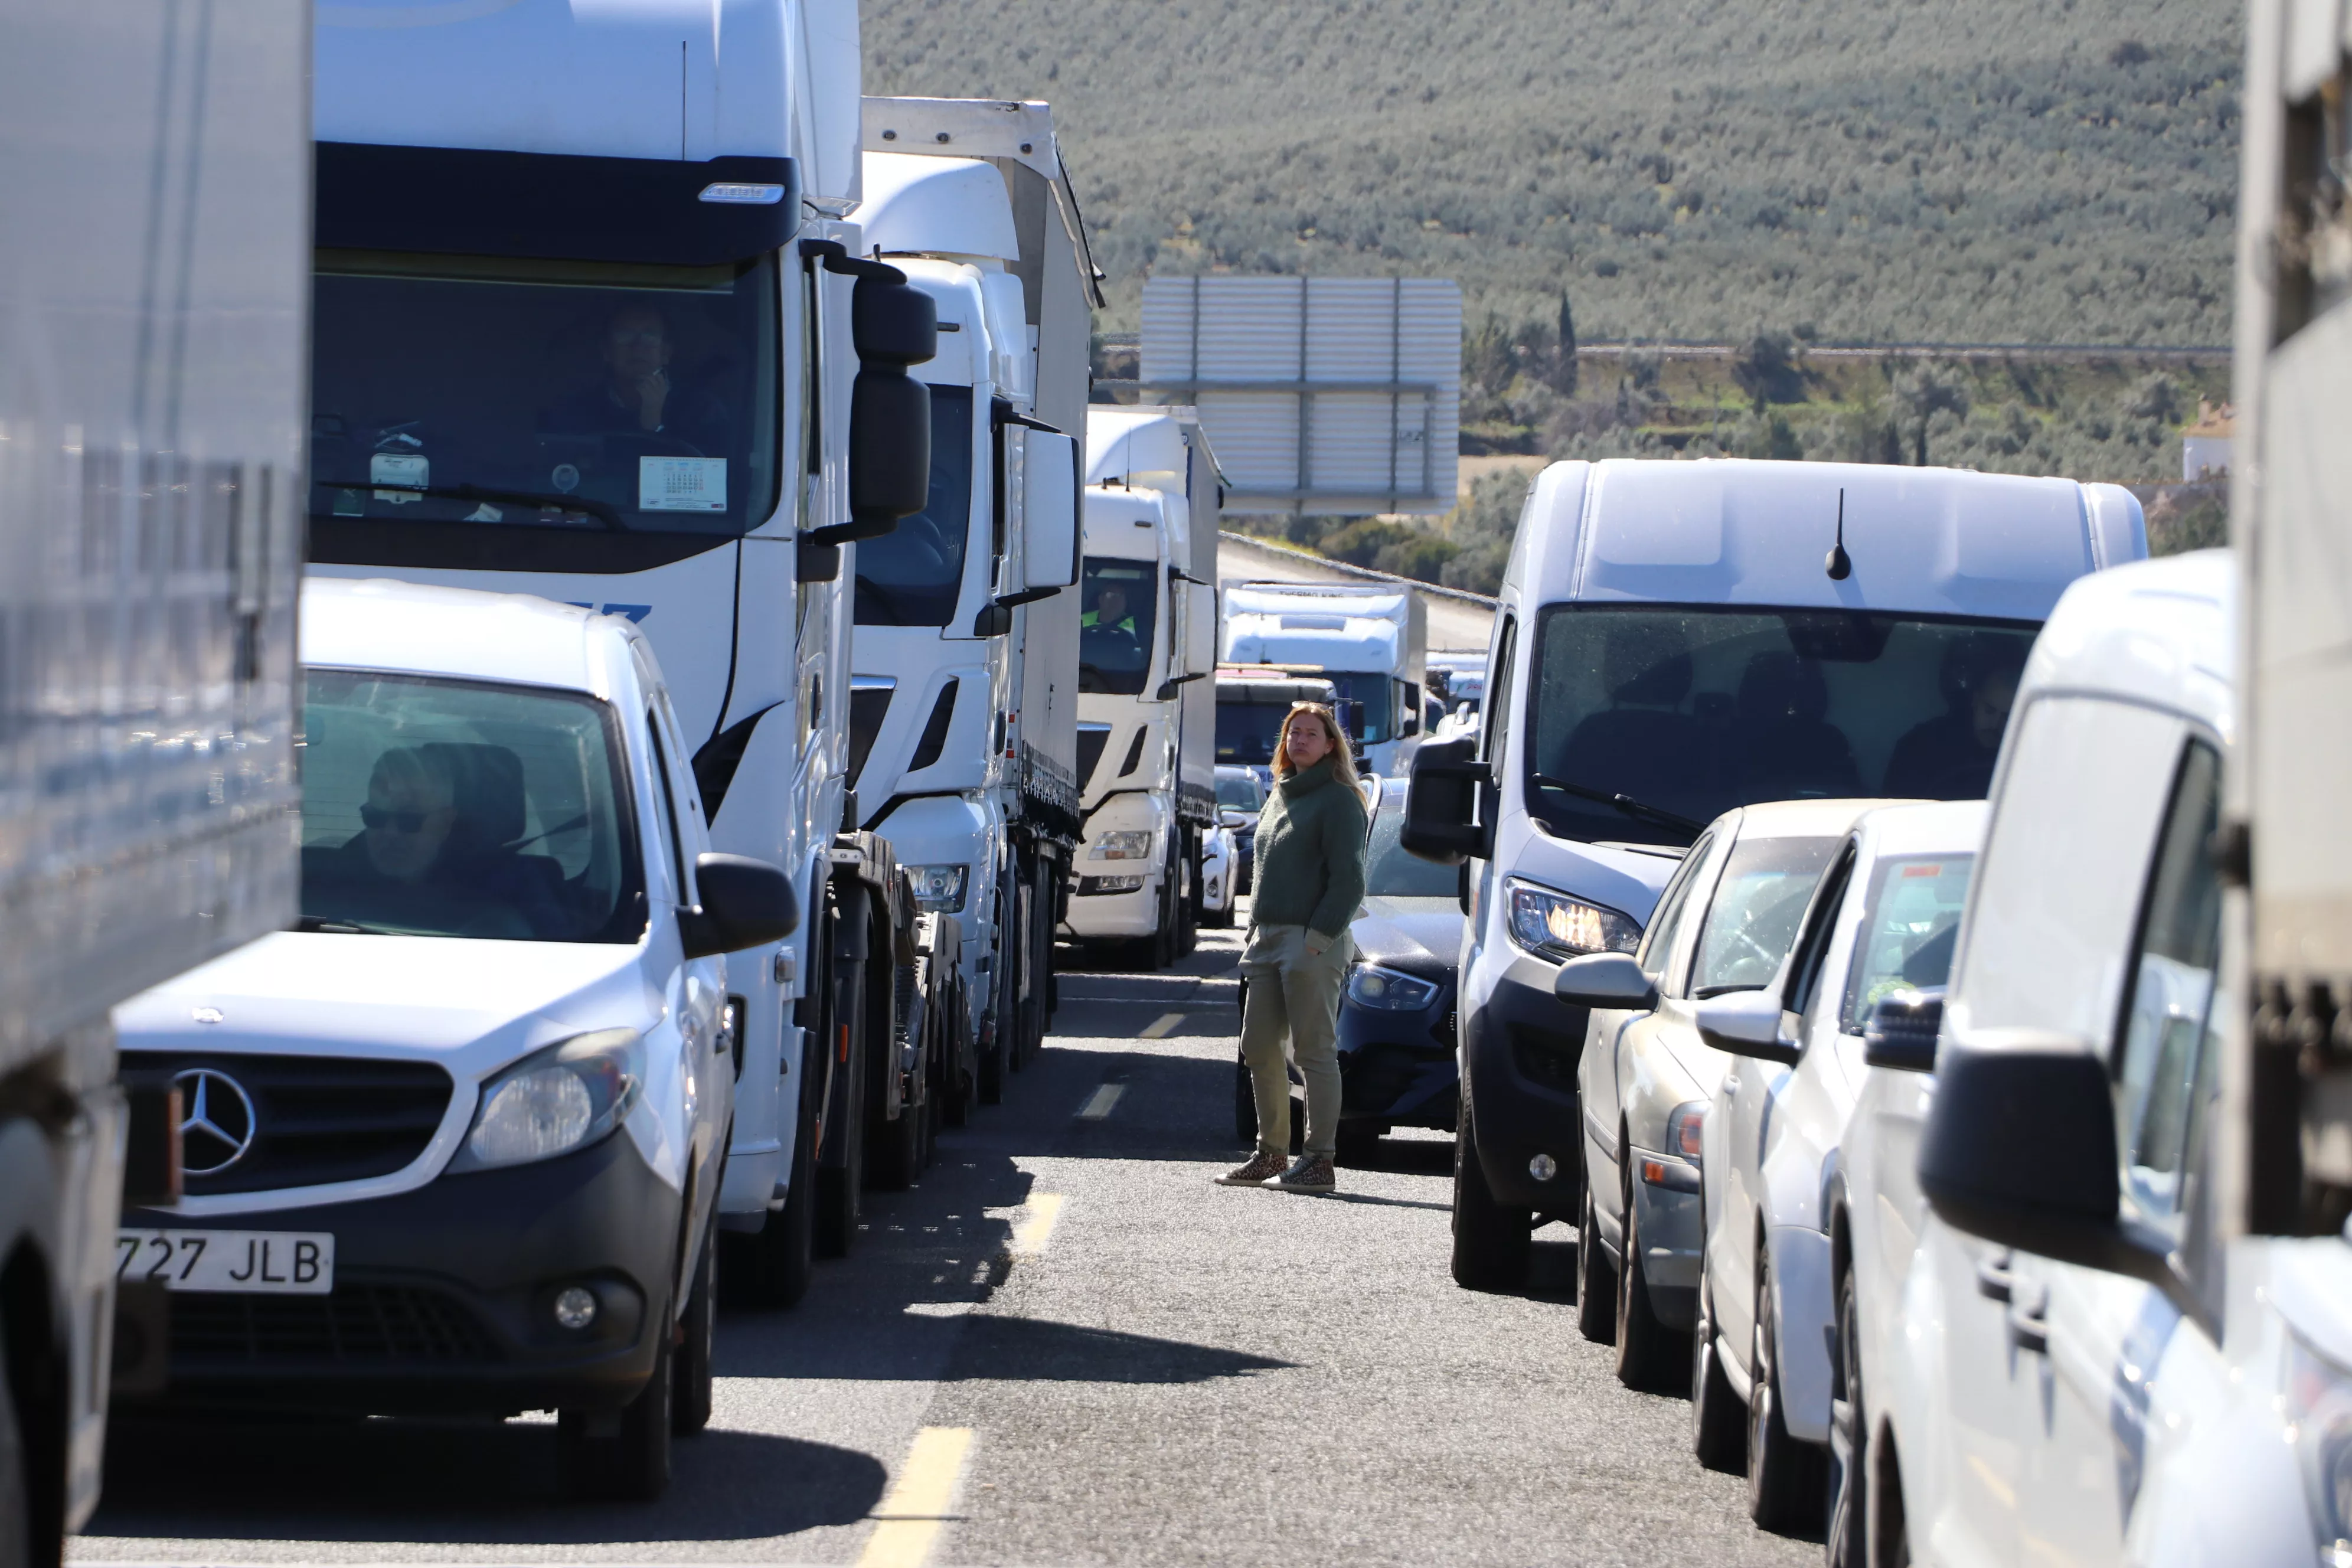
<point>555,1101</point>
<point>1555,926</point>
<point>1370,985</point>
<point>1133,844</point>
<point>938,890</point>
<point>2319,1412</point>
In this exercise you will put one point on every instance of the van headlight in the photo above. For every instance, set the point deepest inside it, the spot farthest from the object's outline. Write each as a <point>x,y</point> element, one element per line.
<point>1133,844</point>
<point>555,1101</point>
<point>938,890</point>
<point>2318,1408</point>
<point>1388,991</point>
<point>1555,926</point>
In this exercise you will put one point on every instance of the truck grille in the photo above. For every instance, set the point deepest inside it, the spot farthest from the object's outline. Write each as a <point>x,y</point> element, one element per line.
<point>354,1325</point>
<point>315,1120</point>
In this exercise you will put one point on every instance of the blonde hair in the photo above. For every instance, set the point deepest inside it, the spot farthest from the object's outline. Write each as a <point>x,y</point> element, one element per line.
<point>1343,765</point>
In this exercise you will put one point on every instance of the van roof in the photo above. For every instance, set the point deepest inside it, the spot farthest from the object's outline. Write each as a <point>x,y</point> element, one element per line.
<point>2159,632</point>
<point>512,638</point>
<point>1923,541</point>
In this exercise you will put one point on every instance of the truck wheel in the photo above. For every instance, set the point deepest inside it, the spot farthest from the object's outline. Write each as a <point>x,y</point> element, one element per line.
<point>1642,1340</point>
<point>689,1407</point>
<point>1596,1281</point>
<point>779,1260</point>
<point>898,1149</point>
<point>1493,1242</point>
<point>991,1067</point>
<point>1719,1424</point>
<point>839,1200</point>
<point>624,1454</point>
<point>1786,1485</point>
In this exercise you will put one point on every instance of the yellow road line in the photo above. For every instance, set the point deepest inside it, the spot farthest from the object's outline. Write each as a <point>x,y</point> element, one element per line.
<point>916,1510</point>
<point>1029,1236</point>
<point>1098,1105</point>
<point>1160,1029</point>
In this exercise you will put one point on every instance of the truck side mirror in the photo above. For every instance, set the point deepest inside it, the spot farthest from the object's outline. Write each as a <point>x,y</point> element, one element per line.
<point>1608,980</point>
<point>893,325</point>
<point>1901,1031</point>
<point>2020,1149</point>
<point>1440,804</point>
<point>1746,1023</point>
<point>1200,629</point>
<point>1049,513</point>
<point>745,903</point>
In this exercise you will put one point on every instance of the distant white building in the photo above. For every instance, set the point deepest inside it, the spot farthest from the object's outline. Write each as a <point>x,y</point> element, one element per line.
<point>2205,446</point>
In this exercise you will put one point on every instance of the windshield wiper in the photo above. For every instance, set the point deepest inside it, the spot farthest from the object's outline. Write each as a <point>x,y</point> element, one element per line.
<point>602,511</point>
<point>337,928</point>
<point>1625,803</point>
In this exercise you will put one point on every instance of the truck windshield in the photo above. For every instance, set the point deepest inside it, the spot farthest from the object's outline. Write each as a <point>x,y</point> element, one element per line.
<point>912,577</point>
<point>1118,604</point>
<point>1246,732</point>
<point>452,808</point>
<point>1376,692</point>
<point>1687,711</point>
<point>512,393</point>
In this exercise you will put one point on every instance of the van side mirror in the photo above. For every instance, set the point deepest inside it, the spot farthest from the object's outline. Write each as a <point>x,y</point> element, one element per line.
<point>1747,1024</point>
<point>1611,981</point>
<point>892,325</point>
<point>1440,804</point>
<point>745,903</point>
<point>1901,1030</point>
<point>2020,1149</point>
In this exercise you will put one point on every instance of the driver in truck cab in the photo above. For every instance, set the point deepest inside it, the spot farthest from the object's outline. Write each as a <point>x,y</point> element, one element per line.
<point>637,394</point>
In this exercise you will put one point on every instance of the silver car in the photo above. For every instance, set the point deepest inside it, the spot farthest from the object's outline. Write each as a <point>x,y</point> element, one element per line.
<point>1645,1079</point>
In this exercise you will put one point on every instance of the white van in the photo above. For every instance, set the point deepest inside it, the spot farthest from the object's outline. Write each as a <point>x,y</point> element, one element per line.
<point>1673,640</point>
<point>453,1144</point>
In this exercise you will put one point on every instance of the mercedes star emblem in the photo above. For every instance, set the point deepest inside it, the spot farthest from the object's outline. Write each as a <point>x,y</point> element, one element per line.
<point>216,1120</point>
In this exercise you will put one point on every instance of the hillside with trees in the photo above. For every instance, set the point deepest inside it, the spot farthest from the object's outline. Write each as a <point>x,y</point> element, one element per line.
<point>1835,170</point>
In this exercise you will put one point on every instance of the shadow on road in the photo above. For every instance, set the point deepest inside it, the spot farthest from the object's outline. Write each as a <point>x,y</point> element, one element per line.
<point>455,1481</point>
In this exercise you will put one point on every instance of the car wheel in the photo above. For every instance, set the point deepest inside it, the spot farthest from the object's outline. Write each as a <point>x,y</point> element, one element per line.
<point>778,1262</point>
<point>1642,1350</point>
<point>1784,1476</point>
<point>1849,1492</point>
<point>1244,1105</point>
<point>1719,1424</point>
<point>689,1407</point>
<point>1596,1281</point>
<point>621,1455</point>
<point>1492,1240</point>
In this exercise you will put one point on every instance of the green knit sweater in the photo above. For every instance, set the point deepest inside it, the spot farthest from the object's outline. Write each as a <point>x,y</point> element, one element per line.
<point>1310,853</point>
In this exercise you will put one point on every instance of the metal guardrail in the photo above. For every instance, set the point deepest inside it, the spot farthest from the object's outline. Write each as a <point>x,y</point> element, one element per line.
<point>1349,569</point>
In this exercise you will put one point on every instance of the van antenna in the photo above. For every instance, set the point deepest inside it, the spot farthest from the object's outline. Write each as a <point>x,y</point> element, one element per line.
<point>1840,565</point>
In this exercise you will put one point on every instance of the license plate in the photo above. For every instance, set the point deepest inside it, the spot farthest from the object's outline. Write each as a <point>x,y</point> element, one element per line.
<point>270,1262</point>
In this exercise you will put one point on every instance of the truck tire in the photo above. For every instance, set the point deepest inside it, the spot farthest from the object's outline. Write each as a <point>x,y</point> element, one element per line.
<point>689,1401</point>
<point>622,1456</point>
<point>1493,1242</point>
<point>1596,1281</point>
<point>840,1189</point>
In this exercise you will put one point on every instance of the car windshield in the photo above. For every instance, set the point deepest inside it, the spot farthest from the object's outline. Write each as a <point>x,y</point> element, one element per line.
<point>1693,711</point>
<point>912,577</point>
<point>1239,793</point>
<point>1390,873</point>
<point>439,807</point>
<point>1117,602</point>
<point>1248,731</point>
<point>597,396</point>
<point>1908,930</point>
<point>1751,921</point>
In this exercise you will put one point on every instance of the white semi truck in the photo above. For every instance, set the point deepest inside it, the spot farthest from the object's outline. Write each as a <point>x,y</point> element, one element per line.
<point>1147,711</point>
<point>592,324</point>
<point>1370,642</point>
<point>153,288</point>
<point>965,705</point>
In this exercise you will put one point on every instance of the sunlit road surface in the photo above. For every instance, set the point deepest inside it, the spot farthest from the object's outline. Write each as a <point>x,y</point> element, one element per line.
<point>1065,1346</point>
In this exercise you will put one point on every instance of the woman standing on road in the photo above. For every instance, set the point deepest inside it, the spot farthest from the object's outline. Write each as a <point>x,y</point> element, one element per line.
<point>1310,879</point>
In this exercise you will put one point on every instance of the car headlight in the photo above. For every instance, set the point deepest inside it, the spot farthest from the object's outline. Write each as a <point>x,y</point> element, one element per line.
<point>2319,1411</point>
<point>1370,985</point>
<point>1553,925</point>
<point>1133,844</point>
<point>555,1101</point>
<point>938,890</point>
<point>1685,1129</point>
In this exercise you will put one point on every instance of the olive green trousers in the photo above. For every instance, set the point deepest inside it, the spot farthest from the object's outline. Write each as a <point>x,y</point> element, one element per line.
<point>1294,996</point>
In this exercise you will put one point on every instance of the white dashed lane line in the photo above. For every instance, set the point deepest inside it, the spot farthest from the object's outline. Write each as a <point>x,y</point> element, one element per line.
<point>1162,1026</point>
<point>1098,1104</point>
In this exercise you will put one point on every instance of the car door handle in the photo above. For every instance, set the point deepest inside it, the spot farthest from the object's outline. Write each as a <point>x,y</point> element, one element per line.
<point>2029,1326</point>
<point>1731,1083</point>
<point>1994,1282</point>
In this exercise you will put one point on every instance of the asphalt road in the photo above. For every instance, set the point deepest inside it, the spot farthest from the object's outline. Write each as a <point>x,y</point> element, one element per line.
<point>1065,1346</point>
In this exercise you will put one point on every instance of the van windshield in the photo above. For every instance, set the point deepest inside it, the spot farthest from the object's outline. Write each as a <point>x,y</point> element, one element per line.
<point>1686,711</point>
<point>456,808</point>
<point>592,396</point>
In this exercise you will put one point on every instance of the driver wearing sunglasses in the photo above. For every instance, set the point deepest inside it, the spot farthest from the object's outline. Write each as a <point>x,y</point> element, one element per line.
<point>411,807</point>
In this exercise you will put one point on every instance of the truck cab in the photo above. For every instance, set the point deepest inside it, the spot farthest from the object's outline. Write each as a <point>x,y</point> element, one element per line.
<point>966,665</point>
<point>1369,642</point>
